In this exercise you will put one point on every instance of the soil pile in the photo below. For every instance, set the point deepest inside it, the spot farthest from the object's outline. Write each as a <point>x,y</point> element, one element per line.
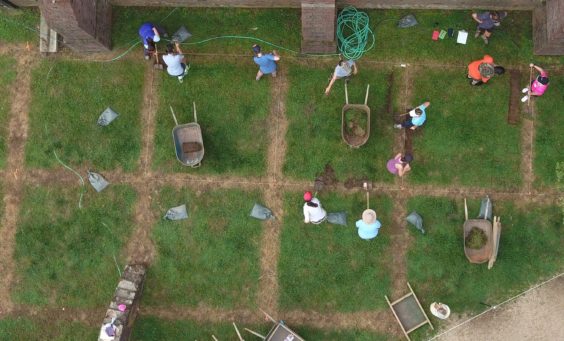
<point>476,239</point>
<point>356,122</point>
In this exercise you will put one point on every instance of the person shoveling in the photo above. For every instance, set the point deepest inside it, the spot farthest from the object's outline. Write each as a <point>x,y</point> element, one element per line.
<point>176,62</point>
<point>150,34</point>
<point>313,212</point>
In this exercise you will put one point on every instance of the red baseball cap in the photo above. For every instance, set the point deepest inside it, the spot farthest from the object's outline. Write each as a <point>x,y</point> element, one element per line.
<point>308,196</point>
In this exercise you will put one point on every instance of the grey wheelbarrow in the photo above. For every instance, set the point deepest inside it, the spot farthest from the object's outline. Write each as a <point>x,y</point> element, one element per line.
<point>188,141</point>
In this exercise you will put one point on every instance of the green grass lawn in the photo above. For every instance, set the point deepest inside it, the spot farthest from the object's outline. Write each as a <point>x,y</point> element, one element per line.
<point>68,97</point>
<point>20,26</point>
<point>466,139</point>
<point>232,111</point>
<point>7,78</point>
<point>328,267</point>
<point>210,258</point>
<point>152,328</point>
<point>21,328</point>
<point>314,132</point>
<point>65,255</point>
<point>511,43</point>
<point>531,248</point>
<point>278,26</point>
<point>549,139</point>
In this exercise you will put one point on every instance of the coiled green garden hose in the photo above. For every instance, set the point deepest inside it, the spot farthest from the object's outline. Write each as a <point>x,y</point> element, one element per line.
<point>354,33</point>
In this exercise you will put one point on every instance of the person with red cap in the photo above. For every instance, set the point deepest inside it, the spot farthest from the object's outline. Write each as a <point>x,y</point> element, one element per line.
<point>313,212</point>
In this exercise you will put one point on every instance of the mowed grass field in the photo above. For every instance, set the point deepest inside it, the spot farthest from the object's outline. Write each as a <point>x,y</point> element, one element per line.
<point>66,256</point>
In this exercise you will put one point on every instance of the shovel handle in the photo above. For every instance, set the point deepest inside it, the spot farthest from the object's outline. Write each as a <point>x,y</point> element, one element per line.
<point>366,97</point>
<point>173,115</point>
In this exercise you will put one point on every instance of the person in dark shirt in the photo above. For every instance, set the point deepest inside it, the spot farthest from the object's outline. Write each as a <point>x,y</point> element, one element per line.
<point>487,21</point>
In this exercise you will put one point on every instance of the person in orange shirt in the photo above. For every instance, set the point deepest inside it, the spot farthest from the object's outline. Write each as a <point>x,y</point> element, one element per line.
<point>480,71</point>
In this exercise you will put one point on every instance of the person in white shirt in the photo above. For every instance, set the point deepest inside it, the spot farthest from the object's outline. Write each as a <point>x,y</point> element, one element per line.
<point>313,212</point>
<point>175,62</point>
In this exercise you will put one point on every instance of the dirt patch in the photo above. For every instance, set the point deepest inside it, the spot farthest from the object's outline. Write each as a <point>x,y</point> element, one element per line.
<point>408,143</point>
<point>326,179</point>
<point>351,183</point>
<point>389,97</point>
<point>514,113</point>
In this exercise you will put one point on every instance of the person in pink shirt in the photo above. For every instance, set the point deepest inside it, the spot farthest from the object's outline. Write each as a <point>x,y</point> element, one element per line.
<point>538,85</point>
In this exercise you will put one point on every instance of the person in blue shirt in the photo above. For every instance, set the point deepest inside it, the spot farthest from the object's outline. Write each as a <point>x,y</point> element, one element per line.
<point>150,34</point>
<point>368,226</point>
<point>344,69</point>
<point>416,118</point>
<point>266,62</point>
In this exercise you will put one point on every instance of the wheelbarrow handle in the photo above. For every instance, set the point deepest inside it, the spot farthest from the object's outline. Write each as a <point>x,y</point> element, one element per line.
<point>173,115</point>
<point>195,115</point>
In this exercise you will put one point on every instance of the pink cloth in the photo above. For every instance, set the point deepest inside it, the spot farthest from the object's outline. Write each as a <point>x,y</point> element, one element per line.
<point>391,165</point>
<point>537,87</point>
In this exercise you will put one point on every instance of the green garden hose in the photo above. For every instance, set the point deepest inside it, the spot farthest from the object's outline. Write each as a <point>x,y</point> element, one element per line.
<point>354,33</point>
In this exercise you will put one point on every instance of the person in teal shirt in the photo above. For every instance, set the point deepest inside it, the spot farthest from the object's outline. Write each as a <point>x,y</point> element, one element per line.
<point>368,226</point>
<point>416,118</point>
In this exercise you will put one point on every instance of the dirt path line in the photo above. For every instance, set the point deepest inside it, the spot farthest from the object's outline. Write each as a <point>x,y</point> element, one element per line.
<point>148,108</point>
<point>527,138</point>
<point>204,314</point>
<point>379,321</point>
<point>89,316</point>
<point>400,242</point>
<point>140,248</point>
<point>273,197</point>
<point>13,184</point>
<point>41,177</point>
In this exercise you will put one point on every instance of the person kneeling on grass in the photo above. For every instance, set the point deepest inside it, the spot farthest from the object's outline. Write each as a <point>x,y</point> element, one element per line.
<point>313,212</point>
<point>344,69</point>
<point>399,164</point>
<point>368,226</point>
<point>538,85</point>
<point>482,70</point>
<point>176,62</point>
<point>266,62</point>
<point>416,118</point>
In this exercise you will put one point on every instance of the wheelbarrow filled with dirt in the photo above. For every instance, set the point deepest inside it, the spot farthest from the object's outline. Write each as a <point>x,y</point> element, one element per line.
<point>355,121</point>
<point>481,237</point>
<point>188,141</point>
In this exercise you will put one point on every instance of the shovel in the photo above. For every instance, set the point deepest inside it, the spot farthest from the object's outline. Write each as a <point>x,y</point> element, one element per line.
<point>157,65</point>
